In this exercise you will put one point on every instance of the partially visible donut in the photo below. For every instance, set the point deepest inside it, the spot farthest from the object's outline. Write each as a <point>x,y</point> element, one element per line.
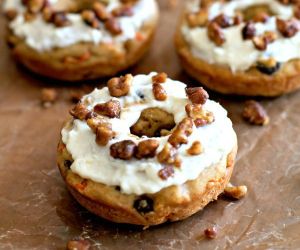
<point>77,40</point>
<point>146,150</point>
<point>242,47</point>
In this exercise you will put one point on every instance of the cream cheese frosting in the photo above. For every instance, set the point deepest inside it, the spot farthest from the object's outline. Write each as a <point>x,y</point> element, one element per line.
<point>237,53</point>
<point>43,36</point>
<point>134,176</point>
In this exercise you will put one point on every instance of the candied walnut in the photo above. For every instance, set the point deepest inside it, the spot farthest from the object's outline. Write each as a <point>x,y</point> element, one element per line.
<point>197,19</point>
<point>89,17</point>
<point>235,192</point>
<point>261,17</point>
<point>123,150</point>
<point>222,20</point>
<point>238,19</point>
<point>249,31</point>
<point>78,244</point>
<point>144,204</point>
<point>195,149</point>
<point>215,33</point>
<point>211,233</point>
<point>201,116</point>
<point>288,28</point>
<point>181,133</point>
<point>259,42</point>
<point>120,86</point>
<point>168,156</point>
<point>268,66</point>
<point>35,6</point>
<point>159,92</point>
<point>60,19</point>
<point>254,113</point>
<point>94,121</point>
<point>111,109</point>
<point>11,14</point>
<point>79,111</point>
<point>49,95</point>
<point>100,11</point>
<point>166,172</point>
<point>113,26</point>
<point>197,95</point>
<point>47,14</point>
<point>147,149</point>
<point>159,78</point>
<point>104,133</point>
<point>269,36</point>
<point>125,10</point>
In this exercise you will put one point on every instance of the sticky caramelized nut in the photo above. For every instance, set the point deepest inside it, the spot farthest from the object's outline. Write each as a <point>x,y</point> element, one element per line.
<point>195,149</point>
<point>159,92</point>
<point>60,19</point>
<point>261,17</point>
<point>268,66</point>
<point>215,33</point>
<point>78,244</point>
<point>49,95</point>
<point>269,36</point>
<point>147,149</point>
<point>89,17</point>
<point>123,150</point>
<point>143,204</point>
<point>197,95</point>
<point>259,42</point>
<point>249,31</point>
<point>47,14</point>
<point>166,172</point>
<point>104,133</point>
<point>11,14</point>
<point>100,11</point>
<point>111,109</point>
<point>211,233</point>
<point>288,28</point>
<point>181,133</point>
<point>222,20</point>
<point>254,113</point>
<point>235,192</point>
<point>79,111</point>
<point>200,116</point>
<point>125,10</point>
<point>120,86</point>
<point>168,156</point>
<point>113,26</point>
<point>159,78</point>
<point>197,19</point>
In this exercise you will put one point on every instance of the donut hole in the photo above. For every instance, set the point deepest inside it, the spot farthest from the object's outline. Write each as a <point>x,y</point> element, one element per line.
<point>250,12</point>
<point>153,122</point>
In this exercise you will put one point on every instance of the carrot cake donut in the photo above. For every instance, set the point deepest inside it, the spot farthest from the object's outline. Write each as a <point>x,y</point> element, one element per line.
<point>244,47</point>
<point>77,40</point>
<point>146,150</point>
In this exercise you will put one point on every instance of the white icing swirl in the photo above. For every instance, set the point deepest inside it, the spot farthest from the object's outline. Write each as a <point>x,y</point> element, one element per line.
<point>141,176</point>
<point>43,36</point>
<point>237,53</point>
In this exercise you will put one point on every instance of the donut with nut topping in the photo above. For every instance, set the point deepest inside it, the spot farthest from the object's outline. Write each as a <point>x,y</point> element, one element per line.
<point>130,156</point>
<point>241,47</point>
<point>79,40</point>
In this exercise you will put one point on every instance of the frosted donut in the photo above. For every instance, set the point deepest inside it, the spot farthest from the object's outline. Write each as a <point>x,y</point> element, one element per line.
<point>77,40</point>
<point>244,47</point>
<point>146,150</point>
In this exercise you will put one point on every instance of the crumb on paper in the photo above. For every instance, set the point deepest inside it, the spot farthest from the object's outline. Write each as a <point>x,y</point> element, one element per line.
<point>235,192</point>
<point>48,97</point>
<point>254,113</point>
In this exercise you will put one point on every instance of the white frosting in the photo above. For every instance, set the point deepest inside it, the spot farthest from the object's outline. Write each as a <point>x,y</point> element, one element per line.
<point>141,176</point>
<point>42,36</point>
<point>237,53</point>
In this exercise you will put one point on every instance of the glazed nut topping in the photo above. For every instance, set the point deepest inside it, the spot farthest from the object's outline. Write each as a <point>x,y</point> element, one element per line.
<point>197,19</point>
<point>100,11</point>
<point>159,78</point>
<point>120,86</point>
<point>197,95</point>
<point>147,149</point>
<point>181,133</point>
<point>249,31</point>
<point>89,17</point>
<point>288,28</point>
<point>195,149</point>
<point>111,109</point>
<point>222,20</point>
<point>123,150</point>
<point>159,92</point>
<point>200,116</point>
<point>113,26</point>
<point>47,14</point>
<point>259,42</point>
<point>166,172</point>
<point>79,111</point>
<point>254,113</point>
<point>235,192</point>
<point>168,156</point>
<point>215,33</point>
<point>211,233</point>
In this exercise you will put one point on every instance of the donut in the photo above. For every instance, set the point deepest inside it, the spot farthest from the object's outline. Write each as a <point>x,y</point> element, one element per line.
<point>79,40</point>
<point>241,47</point>
<point>146,150</point>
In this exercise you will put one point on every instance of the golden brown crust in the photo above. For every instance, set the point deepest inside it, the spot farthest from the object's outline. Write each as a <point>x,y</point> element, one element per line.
<point>84,61</point>
<point>249,83</point>
<point>170,204</point>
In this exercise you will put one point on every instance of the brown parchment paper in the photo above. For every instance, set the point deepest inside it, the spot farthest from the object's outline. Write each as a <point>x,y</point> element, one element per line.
<point>37,212</point>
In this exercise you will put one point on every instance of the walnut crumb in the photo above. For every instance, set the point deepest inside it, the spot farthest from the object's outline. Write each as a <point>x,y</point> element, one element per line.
<point>120,86</point>
<point>249,31</point>
<point>168,156</point>
<point>159,78</point>
<point>147,149</point>
<point>211,232</point>
<point>89,17</point>
<point>100,11</point>
<point>288,28</point>
<point>197,95</point>
<point>215,33</point>
<point>222,20</point>
<point>48,96</point>
<point>159,92</point>
<point>166,172</point>
<point>60,19</point>
<point>235,192</point>
<point>195,149</point>
<point>79,111</point>
<point>181,133</point>
<point>111,109</point>
<point>113,26</point>
<point>123,150</point>
<point>254,113</point>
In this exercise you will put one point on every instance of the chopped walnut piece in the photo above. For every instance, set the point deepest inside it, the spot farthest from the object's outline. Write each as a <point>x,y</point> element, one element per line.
<point>254,113</point>
<point>94,121</point>
<point>215,33</point>
<point>197,19</point>
<point>288,28</point>
<point>111,109</point>
<point>89,17</point>
<point>125,10</point>
<point>49,96</point>
<point>123,150</point>
<point>201,116</point>
<point>60,19</point>
<point>195,149</point>
<point>269,36</point>
<point>159,92</point>
<point>11,14</point>
<point>197,95</point>
<point>79,111</point>
<point>159,78</point>
<point>78,244</point>
<point>222,20</point>
<point>113,26</point>
<point>168,156</point>
<point>166,172</point>
<point>211,233</point>
<point>147,149</point>
<point>259,42</point>
<point>100,11</point>
<point>47,14</point>
<point>120,86</point>
<point>249,31</point>
<point>104,133</point>
<point>181,133</point>
<point>238,19</point>
<point>261,17</point>
<point>235,192</point>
